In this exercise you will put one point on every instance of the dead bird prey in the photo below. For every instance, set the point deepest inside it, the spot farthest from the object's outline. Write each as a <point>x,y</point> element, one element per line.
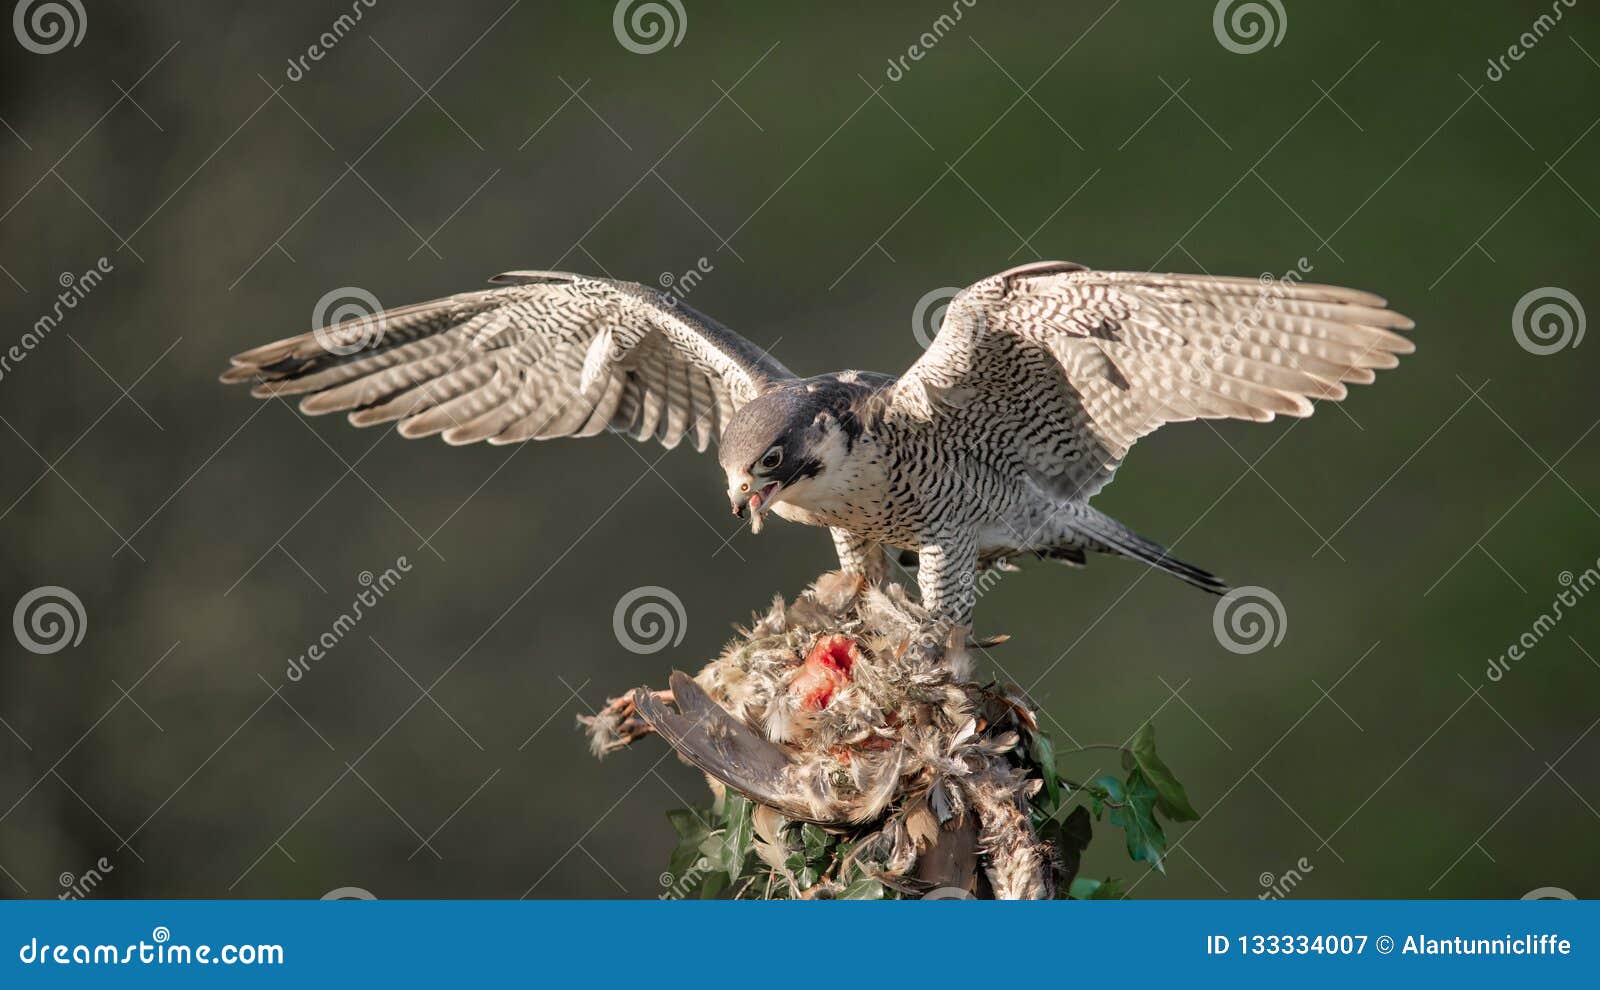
<point>989,447</point>
<point>822,712</point>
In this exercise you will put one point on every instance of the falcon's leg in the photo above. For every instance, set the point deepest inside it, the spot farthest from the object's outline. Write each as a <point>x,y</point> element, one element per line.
<point>946,576</point>
<point>859,555</point>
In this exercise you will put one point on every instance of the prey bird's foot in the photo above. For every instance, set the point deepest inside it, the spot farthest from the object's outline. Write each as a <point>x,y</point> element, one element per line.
<point>618,725</point>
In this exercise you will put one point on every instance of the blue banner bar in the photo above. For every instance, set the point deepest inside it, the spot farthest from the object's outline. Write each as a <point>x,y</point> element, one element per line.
<point>1199,943</point>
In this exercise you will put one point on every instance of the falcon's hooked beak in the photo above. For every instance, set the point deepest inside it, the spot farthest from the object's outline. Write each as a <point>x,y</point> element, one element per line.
<point>745,494</point>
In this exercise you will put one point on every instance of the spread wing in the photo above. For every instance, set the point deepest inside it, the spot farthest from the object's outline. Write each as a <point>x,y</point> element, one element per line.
<point>549,355</point>
<point>1059,369</point>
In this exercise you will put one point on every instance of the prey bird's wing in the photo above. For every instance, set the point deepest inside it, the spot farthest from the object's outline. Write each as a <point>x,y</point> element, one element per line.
<point>706,735</point>
<point>1059,369</point>
<point>550,354</point>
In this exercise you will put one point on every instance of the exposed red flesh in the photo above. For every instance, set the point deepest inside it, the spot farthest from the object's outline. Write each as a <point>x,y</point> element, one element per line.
<point>826,669</point>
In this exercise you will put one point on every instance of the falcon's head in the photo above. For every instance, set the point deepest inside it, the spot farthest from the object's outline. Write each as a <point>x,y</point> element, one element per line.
<point>782,445</point>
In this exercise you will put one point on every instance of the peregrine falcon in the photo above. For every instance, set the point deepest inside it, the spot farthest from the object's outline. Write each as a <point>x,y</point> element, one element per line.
<point>988,448</point>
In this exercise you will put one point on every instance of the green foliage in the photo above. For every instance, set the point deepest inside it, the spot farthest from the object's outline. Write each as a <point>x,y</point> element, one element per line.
<point>721,851</point>
<point>1173,802</point>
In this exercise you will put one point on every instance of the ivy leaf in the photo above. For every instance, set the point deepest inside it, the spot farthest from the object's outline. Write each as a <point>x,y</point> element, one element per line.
<point>1087,889</point>
<point>864,889</point>
<point>690,824</point>
<point>1137,817</point>
<point>1043,753</point>
<point>1103,789</point>
<point>740,833</point>
<point>715,883</point>
<point>1071,837</point>
<point>816,842</point>
<point>1173,802</point>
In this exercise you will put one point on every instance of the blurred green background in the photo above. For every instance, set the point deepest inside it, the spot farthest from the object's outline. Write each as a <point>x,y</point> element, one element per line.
<point>1412,533</point>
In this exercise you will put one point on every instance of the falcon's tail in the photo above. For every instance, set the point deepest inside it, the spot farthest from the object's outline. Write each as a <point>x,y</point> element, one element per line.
<point>1106,535</point>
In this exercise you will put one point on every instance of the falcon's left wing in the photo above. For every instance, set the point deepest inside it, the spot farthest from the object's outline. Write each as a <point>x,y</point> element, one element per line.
<point>551,354</point>
<point>1060,369</point>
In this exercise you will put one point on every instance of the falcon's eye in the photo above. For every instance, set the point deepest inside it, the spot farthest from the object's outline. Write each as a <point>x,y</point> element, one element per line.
<point>771,459</point>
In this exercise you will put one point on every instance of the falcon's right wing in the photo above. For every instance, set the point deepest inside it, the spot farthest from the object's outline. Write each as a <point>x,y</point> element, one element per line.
<point>550,355</point>
<point>1061,369</point>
